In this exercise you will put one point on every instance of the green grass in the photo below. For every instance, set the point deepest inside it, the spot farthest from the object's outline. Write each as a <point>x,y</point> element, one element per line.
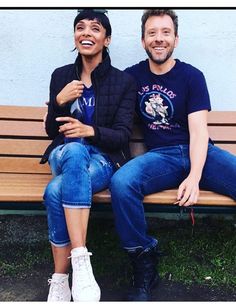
<point>189,258</point>
<point>209,253</point>
<point>204,256</point>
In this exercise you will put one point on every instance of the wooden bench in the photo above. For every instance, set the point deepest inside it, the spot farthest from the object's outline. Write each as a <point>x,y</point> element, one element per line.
<point>23,141</point>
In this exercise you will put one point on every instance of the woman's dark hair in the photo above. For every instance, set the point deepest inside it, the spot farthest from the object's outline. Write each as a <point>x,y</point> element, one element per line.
<point>91,14</point>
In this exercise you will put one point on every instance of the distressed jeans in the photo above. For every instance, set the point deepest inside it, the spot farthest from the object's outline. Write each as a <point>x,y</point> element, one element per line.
<point>158,170</point>
<point>79,170</point>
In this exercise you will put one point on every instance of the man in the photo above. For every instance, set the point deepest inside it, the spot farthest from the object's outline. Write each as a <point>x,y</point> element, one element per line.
<point>173,105</point>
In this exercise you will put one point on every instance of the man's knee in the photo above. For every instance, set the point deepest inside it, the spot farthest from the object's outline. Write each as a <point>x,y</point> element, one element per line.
<point>121,182</point>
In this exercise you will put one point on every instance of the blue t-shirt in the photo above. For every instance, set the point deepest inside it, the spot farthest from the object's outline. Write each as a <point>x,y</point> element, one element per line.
<point>164,102</point>
<point>83,109</point>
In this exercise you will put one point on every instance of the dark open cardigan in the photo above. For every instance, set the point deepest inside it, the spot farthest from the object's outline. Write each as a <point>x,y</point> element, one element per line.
<point>115,96</point>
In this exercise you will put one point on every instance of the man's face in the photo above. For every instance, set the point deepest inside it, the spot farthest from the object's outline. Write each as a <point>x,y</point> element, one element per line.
<point>90,37</point>
<point>159,38</point>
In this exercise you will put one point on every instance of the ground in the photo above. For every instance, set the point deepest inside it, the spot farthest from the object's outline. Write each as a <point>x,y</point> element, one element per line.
<point>26,265</point>
<point>32,286</point>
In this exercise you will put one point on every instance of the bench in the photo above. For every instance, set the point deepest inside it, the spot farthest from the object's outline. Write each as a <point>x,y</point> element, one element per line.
<point>23,141</point>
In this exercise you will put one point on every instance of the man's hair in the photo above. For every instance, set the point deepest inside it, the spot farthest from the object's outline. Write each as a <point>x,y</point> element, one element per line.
<point>91,14</point>
<point>149,13</point>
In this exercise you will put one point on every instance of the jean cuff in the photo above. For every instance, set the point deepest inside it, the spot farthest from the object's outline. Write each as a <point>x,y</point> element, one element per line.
<point>60,245</point>
<point>77,205</point>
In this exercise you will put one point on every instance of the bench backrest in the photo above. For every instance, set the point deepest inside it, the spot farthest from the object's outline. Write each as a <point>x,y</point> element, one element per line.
<point>23,139</point>
<point>221,126</point>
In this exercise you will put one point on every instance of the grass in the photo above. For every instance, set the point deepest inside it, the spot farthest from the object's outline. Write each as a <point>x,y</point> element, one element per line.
<point>205,257</point>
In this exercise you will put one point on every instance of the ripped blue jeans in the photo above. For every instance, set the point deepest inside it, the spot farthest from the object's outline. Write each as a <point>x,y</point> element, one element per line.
<point>79,170</point>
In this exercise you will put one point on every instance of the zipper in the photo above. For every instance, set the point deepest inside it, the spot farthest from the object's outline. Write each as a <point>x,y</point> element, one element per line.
<point>123,154</point>
<point>94,84</point>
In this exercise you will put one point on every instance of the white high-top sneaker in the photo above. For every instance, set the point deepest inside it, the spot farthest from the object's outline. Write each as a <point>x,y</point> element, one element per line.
<point>84,285</point>
<point>59,290</point>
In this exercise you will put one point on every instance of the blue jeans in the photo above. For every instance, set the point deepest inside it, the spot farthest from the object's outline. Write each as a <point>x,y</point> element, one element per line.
<point>79,170</point>
<point>158,170</point>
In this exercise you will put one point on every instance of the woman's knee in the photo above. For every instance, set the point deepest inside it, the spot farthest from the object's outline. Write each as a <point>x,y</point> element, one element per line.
<point>52,194</point>
<point>76,151</point>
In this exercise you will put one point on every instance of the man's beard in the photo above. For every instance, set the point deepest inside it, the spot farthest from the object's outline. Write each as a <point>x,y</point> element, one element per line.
<point>159,61</point>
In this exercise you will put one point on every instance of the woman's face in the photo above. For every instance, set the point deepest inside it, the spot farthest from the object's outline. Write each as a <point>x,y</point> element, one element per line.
<point>90,37</point>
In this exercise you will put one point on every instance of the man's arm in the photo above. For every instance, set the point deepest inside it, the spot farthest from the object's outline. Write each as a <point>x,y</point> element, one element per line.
<point>188,191</point>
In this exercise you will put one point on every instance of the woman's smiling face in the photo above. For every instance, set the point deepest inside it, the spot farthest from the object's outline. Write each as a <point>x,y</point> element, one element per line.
<point>90,37</point>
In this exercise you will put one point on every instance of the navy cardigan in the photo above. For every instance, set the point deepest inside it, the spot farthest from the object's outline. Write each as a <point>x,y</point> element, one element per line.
<point>115,96</point>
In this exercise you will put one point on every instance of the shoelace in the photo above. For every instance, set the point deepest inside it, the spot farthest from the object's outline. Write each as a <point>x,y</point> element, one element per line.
<point>56,289</point>
<point>84,268</point>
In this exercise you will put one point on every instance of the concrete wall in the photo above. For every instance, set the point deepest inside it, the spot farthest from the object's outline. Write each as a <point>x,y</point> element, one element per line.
<point>35,42</point>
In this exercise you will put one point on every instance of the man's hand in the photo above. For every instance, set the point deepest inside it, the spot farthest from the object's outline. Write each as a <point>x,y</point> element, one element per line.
<point>70,92</point>
<point>188,192</point>
<point>74,128</point>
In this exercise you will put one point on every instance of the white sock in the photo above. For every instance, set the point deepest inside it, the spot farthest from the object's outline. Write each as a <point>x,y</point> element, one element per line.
<point>60,276</point>
<point>79,250</point>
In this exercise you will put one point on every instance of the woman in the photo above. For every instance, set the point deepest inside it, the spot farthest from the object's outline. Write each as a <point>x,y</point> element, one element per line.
<point>89,118</point>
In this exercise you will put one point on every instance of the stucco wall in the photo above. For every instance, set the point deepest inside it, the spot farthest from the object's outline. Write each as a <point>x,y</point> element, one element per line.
<point>35,42</point>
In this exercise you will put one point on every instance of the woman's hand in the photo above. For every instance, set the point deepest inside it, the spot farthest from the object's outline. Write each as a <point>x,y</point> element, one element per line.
<point>70,92</point>
<point>73,128</point>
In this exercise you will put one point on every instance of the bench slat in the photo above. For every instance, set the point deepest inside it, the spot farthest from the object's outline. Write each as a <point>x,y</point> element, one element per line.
<point>222,117</point>
<point>23,165</point>
<point>21,128</point>
<point>205,198</point>
<point>217,133</point>
<point>222,133</point>
<point>229,147</point>
<point>22,187</point>
<point>22,112</point>
<point>138,148</point>
<point>29,188</point>
<point>23,147</point>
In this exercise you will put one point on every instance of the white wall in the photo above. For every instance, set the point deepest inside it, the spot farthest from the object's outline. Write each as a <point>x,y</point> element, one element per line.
<point>35,42</point>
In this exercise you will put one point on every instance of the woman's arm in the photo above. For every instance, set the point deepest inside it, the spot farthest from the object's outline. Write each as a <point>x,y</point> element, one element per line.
<point>61,94</point>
